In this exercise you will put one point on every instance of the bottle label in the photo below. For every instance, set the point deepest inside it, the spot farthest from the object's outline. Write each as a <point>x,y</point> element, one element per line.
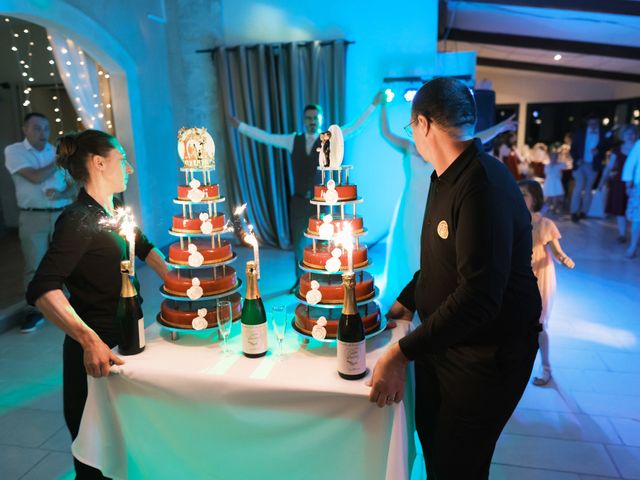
<point>254,338</point>
<point>351,357</point>
<point>141,332</point>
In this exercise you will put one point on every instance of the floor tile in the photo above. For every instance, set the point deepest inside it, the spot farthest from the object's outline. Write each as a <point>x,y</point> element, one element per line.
<point>628,429</point>
<point>55,465</point>
<point>627,459</point>
<point>16,461</point>
<point>28,428</point>
<point>59,441</point>
<point>552,454</point>
<point>507,472</point>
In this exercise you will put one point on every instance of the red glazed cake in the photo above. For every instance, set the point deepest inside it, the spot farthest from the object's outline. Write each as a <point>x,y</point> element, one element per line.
<point>318,259</point>
<point>331,287</point>
<point>356,224</point>
<point>214,281</point>
<point>345,192</point>
<point>221,253</point>
<point>181,314</point>
<point>307,317</point>
<point>211,192</point>
<point>192,225</point>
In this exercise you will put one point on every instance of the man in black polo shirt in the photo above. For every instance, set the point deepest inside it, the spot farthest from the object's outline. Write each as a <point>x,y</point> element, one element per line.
<point>475,294</point>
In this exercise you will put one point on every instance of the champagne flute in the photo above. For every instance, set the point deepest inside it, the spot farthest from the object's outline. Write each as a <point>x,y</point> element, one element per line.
<point>223,311</point>
<point>279,321</point>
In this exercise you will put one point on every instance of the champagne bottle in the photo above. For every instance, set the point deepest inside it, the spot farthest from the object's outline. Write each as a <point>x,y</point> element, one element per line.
<point>254,317</point>
<point>129,315</point>
<point>351,344</point>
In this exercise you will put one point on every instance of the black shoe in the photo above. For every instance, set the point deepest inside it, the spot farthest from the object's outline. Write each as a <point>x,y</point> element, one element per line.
<point>575,218</point>
<point>583,215</point>
<point>31,322</point>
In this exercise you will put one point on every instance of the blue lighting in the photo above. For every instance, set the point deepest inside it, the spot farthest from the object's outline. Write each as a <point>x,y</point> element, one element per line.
<point>535,114</point>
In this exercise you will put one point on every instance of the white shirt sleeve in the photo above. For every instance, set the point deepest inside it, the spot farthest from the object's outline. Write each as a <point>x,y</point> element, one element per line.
<point>273,139</point>
<point>352,128</point>
<point>631,170</point>
<point>16,158</point>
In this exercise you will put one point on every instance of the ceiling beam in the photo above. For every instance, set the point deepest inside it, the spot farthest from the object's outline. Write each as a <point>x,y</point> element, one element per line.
<point>613,7</point>
<point>552,44</point>
<point>559,70</point>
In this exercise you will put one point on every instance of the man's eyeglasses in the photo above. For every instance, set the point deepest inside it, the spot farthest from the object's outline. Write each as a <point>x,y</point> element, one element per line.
<point>409,129</point>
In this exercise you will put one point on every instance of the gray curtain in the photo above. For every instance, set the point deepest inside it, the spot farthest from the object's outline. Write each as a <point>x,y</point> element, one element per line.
<point>268,86</point>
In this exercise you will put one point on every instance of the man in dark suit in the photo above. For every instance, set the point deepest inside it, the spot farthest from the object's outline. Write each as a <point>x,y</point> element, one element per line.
<point>588,150</point>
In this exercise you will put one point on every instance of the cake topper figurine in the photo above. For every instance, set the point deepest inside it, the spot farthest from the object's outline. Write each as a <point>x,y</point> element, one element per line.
<point>195,290</point>
<point>200,322</point>
<point>196,148</point>
<point>324,159</point>
<point>336,148</point>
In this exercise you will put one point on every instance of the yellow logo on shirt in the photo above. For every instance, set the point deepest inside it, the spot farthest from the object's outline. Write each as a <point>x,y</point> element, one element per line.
<point>443,230</point>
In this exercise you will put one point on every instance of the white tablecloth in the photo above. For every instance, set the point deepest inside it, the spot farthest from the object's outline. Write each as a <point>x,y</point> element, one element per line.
<point>184,409</point>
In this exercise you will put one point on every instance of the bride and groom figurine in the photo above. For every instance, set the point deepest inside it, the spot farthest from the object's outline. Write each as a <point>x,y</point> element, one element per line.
<point>331,151</point>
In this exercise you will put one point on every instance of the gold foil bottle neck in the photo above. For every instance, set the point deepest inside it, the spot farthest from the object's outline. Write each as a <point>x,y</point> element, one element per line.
<point>252,282</point>
<point>127,290</point>
<point>349,286</point>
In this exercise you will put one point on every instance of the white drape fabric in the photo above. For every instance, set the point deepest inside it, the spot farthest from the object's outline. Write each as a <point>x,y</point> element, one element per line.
<point>185,410</point>
<point>79,74</point>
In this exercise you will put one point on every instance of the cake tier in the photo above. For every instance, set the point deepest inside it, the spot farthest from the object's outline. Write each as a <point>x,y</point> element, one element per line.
<point>215,281</point>
<point>221,253</point>
<point>318,259</point>
<point>192,225</point>
<point>331,287</point>
<point>356,224</point>
<point>307,317</point>
<point>211,192</point>
<point>345,192</point>
<point>181,314</point>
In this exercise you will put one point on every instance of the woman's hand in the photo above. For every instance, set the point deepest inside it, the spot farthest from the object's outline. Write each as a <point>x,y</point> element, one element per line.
<point>398,312</point>
<point>98,358</point>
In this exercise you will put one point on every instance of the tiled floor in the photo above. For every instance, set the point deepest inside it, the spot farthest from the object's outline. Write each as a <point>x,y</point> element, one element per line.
<point>584,425</point>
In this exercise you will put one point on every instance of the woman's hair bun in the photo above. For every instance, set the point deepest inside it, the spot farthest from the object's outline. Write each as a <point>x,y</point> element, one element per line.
<point>67,146</point>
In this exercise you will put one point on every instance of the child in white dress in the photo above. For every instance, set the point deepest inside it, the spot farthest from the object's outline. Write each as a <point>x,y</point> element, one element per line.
<point>545,234</point>
<point>553,189</point>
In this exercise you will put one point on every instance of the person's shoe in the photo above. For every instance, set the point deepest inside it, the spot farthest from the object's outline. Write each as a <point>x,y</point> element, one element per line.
<point>622,239</point>
<point>575,218</point>
<point>31,322</point>
<point>543,379</point>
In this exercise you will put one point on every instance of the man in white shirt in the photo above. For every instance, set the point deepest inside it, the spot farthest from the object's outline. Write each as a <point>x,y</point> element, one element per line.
<point>42,191</point>
<point>631,176</point>
<point>303,148</point>
<point>587,149</point>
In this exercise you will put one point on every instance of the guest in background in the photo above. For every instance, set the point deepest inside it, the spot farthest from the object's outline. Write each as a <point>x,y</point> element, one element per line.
<point>545,243</point>
<point>84,256</point>
<point>41,196</point>
<point>631,177</point>
<point>588,149</point>
<point>553,190</point>
<point>303,147</point>
<point>612,176</point>
<point>510,156</point>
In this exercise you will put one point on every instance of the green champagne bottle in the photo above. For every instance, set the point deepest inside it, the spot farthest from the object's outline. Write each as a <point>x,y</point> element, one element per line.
<point>254,317</point>
<point>351,343</point>
<point>129,315</point>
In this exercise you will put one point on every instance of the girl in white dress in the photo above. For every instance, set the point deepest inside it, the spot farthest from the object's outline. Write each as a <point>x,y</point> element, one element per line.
<point>545,233</point>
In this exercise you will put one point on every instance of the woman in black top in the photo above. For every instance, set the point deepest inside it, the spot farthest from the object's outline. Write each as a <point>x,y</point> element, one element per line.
<point>85,256</point>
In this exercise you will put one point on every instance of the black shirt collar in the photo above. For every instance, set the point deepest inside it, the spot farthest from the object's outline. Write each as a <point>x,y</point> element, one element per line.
<point>453,172</point>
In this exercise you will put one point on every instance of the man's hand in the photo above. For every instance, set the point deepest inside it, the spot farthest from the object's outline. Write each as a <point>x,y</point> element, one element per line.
<point>98,357</point>
<point>235,123</point>
<point>398,312</point>
<point>387,380</point>
<point>51,193</point>
<point>509,125</point>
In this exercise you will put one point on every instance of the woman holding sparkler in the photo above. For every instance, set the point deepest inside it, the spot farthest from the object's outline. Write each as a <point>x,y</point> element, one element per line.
<point>84,256</point>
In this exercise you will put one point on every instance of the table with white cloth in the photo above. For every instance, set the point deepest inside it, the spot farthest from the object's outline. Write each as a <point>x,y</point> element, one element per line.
<point>185,409</point>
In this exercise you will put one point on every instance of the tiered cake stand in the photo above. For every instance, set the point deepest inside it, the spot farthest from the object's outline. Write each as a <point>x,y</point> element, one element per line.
<point>339,210</point>
<point>191,210</point>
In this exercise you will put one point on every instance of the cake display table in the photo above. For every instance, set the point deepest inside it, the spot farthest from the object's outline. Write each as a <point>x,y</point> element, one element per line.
<point>187,410</point>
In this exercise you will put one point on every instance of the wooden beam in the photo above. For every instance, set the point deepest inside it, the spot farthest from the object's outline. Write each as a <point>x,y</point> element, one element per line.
<point>539,43</point>
<point>613,7</point>
<point>559,70</point>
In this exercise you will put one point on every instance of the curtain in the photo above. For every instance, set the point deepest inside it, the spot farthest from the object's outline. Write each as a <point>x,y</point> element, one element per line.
<point>79,74</point>
<point>268,86</point>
